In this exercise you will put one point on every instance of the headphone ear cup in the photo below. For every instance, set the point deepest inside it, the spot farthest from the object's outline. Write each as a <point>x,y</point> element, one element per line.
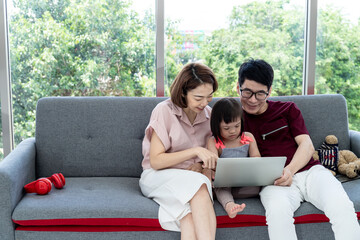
<point>41,186</point>
<point>62,178</point>
<point>58,180</point>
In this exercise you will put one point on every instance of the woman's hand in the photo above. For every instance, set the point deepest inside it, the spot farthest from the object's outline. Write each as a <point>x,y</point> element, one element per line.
<point>196,167</point>
<point>209,158</point>
<point>160,159</point>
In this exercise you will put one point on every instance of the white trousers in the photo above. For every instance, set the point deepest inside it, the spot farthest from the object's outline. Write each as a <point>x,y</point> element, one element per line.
<point>319,187</point>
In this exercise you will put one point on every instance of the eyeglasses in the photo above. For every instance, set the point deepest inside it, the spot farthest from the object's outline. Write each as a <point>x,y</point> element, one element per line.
<point>260,95</point>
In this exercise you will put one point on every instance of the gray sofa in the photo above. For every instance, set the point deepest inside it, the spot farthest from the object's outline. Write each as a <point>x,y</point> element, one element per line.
<point>96,143</point>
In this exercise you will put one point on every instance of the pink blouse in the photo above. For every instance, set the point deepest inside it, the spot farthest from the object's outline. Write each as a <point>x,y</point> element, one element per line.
<point>176,132</point>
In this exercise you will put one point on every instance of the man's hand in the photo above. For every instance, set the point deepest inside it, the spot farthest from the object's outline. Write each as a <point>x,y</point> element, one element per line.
<point>285,179</point>
<point>196,167</point>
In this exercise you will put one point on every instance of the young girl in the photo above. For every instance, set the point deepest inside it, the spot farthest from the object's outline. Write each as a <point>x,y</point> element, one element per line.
<point>229,140</point>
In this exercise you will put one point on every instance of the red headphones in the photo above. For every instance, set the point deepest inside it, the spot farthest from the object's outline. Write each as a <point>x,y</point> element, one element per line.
<point>43,185</point>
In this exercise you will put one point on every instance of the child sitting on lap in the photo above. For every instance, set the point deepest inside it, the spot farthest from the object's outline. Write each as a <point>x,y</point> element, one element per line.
<point>229,140</point>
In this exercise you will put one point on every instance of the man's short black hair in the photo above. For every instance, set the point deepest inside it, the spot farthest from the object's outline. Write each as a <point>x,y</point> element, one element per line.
<point>257,70</point>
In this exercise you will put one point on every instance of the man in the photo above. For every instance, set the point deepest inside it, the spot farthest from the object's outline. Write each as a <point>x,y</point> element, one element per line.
<point>279,130</point>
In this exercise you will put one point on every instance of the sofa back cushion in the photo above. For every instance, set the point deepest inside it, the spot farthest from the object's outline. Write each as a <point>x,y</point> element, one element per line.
<point>102,136</point>
<point>91,136</point>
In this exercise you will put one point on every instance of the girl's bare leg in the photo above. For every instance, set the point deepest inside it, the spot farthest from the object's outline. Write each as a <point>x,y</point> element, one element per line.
<point>203,214</point>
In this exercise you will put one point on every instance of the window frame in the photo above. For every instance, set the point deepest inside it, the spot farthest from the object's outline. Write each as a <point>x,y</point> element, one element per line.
<point>5,83</point>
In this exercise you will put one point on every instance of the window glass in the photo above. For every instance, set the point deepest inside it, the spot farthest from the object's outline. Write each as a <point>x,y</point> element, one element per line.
<point>224,35</point>
<point>78,48</point>
<point>338,53</point>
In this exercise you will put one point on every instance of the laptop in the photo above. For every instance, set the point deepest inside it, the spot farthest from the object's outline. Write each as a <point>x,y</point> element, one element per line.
<point>248,171</point>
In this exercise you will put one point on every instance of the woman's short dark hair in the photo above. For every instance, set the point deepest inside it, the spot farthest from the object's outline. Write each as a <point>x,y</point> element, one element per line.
<point>227,110</point>
<point>190,77</point>
<point>256,70</point>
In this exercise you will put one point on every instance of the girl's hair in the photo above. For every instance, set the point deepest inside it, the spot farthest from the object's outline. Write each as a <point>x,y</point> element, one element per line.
<point>190,77</point>
<point>227,110</point>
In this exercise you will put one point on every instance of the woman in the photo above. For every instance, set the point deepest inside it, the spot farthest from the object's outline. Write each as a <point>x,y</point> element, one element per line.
<point>174,149</point>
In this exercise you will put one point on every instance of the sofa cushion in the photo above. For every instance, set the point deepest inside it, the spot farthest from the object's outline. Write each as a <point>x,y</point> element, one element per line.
<point>116,204</point>
<point>91,136</point>
<point>100,201</point>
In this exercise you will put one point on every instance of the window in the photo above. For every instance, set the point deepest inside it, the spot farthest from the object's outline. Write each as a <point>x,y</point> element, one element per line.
<point>78,48</point>
<point>224,35</point>
<point>338,54</point>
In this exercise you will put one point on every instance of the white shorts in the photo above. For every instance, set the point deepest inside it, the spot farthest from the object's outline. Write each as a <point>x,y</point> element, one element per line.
<point>172,189</point>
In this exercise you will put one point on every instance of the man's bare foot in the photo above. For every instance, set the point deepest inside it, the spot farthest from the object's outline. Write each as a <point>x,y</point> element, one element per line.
<point>233,208</point>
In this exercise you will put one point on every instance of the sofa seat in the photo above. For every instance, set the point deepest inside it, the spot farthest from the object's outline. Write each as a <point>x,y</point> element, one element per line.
<point>94,204</point>
<point>88,203</point>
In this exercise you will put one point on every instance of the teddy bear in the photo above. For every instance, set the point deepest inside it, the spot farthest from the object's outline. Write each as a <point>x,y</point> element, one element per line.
<point>348,164</point>
<point>343,161</point>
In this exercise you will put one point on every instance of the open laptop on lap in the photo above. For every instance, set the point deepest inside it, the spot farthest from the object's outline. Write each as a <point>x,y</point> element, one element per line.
<point>248,171</point>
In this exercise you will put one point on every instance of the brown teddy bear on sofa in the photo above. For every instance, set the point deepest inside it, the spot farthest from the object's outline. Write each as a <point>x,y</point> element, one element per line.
<point>343,161</point>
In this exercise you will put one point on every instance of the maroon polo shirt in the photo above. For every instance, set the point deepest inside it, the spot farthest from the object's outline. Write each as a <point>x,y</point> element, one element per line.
<point>275,130</point>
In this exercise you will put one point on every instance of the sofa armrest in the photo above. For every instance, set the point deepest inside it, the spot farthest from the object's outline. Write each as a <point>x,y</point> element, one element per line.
<point>16,170</point>
<point>355,142</point>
